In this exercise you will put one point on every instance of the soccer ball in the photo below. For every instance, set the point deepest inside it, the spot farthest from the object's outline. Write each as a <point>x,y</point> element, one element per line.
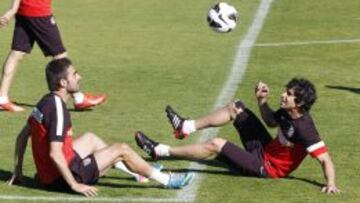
<point>222,17</point>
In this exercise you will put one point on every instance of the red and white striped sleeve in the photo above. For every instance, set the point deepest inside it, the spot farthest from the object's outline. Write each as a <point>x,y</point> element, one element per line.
<point>316,149</point>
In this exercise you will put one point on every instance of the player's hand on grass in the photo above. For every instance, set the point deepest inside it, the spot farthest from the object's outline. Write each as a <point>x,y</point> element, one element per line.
<point>262,92</point>
<point>330,189</point>
<point>15,179</point>
<point>88,191</point>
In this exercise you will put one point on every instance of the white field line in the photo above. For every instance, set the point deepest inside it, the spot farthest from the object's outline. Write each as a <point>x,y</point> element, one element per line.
<point>84,199</point>
<point>229,89</point>
<point>281,44</point>
<point>188,194</point>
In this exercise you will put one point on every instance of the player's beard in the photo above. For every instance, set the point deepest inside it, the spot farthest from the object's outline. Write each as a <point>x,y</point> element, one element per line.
<point>74,89</point>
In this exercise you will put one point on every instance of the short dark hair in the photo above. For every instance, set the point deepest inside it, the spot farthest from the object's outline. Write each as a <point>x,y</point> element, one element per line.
<point>305,93</point>
<point>55,71</point>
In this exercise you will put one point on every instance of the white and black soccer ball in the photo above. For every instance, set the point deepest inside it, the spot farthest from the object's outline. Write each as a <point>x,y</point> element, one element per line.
<point>222,17</point>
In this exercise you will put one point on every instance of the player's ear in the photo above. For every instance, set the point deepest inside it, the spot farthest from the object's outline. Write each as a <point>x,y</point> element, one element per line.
<point>63,83</point>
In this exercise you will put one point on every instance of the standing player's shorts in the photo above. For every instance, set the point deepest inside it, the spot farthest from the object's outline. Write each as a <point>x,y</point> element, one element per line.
<point>254,137</point>
<point>84,171</point>
<point>42,30</point>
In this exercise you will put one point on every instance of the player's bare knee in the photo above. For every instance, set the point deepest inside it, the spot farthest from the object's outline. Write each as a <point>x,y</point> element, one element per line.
<point>89,137</point>
<point>216,144</point>
<point>235,108</point>
<point>123,149</point>
<point>17,55</point>
<point>232,111</point>
<point>61,55</point>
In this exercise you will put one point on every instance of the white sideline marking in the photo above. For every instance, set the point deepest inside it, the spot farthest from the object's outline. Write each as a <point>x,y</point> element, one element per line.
<point>229,89</point>
<point>280,44</point>
<point>84,199</point>
<point>188,194</point>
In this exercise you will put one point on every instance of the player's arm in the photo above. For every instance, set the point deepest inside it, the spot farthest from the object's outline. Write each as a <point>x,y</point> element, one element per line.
<point>20,147</point>
<point>56,154</point>
<point>262,93</point>
<point>5,19</point>
<point>329,173</point>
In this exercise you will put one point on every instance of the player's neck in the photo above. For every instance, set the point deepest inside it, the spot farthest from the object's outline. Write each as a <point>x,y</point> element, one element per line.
<point>295,113</point>
<point>63,94</point>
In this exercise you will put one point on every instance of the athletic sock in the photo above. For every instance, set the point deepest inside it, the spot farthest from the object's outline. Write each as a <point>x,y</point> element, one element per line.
<point>188,127</point>
<point>121,166</point>
<point>162,150</point>
<point>78,97</point>
<point>160,177</point>
<point>4,100</point>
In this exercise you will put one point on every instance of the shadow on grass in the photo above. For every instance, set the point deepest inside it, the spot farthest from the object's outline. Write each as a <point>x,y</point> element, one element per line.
<point>312,182</point>
<point>225,169</point>
<point>31,183</point>
<point>25,104</point>
<point>350,89</point>
<point>229,171</point>
<point>77,110</point>
<point>135,186</point>
<point>28,182</point>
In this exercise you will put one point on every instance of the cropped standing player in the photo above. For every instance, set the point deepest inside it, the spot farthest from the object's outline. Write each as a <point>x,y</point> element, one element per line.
<point>64,163</point>
<point>263,156</point>
<point>35,23</point>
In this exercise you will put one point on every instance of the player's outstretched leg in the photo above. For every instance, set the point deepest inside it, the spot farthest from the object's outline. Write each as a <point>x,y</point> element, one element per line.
<point>199,151</point>
<point>107,157</point>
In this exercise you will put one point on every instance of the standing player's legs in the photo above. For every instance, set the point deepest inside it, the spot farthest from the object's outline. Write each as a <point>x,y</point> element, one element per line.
<point>51,44</point>
<point>61,55</point>
<point>9,70</point>
<point>22,44</point>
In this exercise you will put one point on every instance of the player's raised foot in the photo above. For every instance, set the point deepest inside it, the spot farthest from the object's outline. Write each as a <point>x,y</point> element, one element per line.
<point>90,101</point>
<point>10,106</point>
<point>178,181</point>
<point>147,144</point>
<point>176,122</point>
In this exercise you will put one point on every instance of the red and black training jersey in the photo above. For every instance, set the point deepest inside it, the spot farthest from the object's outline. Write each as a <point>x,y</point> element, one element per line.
<point>50,122</point>
<point>295,139</point>
<point>35,8</point>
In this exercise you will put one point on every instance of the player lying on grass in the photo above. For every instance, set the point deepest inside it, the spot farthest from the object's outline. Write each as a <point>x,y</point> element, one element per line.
<point>34,22</point>
<point>262,156</point>
<point>64,163</point>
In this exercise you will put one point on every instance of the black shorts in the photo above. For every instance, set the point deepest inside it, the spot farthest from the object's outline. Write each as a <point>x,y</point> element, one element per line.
<point>254,137</point>
<point>42,30</point>
<point>84,171</point>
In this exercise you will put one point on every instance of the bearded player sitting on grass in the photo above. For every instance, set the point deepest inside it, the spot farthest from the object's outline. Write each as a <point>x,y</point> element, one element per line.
<point>67,164</point>
<point>262,156</point>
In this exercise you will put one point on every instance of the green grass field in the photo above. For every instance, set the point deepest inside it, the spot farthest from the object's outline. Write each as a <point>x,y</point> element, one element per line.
<point>146,54</point>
